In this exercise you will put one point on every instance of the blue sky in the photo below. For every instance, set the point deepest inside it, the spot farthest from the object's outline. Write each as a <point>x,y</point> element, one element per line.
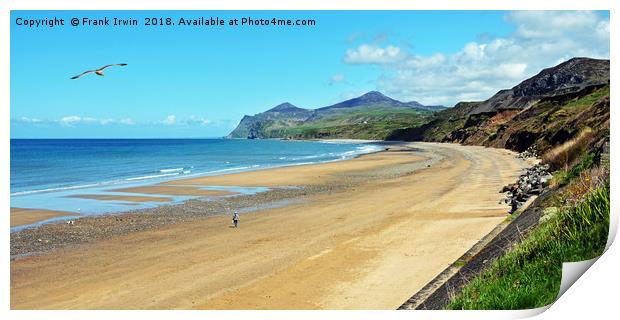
<point>199,81</point>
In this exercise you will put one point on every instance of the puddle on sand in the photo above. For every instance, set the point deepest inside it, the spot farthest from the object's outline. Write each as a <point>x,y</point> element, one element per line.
<point>65,201</point>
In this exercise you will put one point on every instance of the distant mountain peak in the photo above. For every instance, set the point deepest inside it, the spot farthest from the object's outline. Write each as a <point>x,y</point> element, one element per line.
<point>286,107</point>
<point>372,97</point>
<point>374,94</point>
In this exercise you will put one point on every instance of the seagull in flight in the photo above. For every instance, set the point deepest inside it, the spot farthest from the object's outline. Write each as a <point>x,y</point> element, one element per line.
<point>99,71</point>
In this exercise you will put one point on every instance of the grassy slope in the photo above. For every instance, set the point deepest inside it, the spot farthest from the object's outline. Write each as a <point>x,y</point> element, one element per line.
<point>440,126</point>
<point>529,275</point>
<point>575,126</point>
<point>549,122</point>
<point>361,123</point>
<point>545,124</point>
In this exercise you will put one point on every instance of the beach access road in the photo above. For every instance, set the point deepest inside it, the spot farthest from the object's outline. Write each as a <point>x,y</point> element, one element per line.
<point>371,246</point>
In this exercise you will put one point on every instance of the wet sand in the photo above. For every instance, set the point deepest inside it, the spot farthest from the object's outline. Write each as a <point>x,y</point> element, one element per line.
<point>369,245</point>
<point>21,216</point>
<point>301,175</point>
<point>174,190</point>
<point>106,197</point>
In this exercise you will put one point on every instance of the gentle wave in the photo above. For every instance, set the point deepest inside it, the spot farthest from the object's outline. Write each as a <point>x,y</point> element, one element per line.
<point>343,155</point>
<point>99,184</point>
<point>367,149</point>
<point>153,176</point>
<point>105,183</point>
<point>21,193</point>
<point>233,169</point>
<point>171,172</point>
<point>316,156</point>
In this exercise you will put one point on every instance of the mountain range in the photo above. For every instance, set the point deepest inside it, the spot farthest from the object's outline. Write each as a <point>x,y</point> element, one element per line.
<point>541,112</point>
<point>369,116</point>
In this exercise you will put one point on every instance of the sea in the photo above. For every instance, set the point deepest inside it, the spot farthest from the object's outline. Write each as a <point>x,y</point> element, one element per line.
<point>45,173</point>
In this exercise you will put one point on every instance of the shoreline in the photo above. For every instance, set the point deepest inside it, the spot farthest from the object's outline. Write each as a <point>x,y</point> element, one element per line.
<point>344,209</point>
<point>216,203</point>
<point>25,216</point>
<point>162,190</point>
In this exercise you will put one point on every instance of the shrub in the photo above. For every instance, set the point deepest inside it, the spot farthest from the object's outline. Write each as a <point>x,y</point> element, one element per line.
<point>564,155</point>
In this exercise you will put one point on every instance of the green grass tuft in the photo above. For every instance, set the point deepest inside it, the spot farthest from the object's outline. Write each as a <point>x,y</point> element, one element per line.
<point>563,177</point>
<point>529,275</point>
<point>588,99</point>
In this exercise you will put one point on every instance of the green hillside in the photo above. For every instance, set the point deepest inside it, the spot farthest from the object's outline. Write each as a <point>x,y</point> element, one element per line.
<point>363,123</point>
<point>370,116</point>
<point>545,120</point>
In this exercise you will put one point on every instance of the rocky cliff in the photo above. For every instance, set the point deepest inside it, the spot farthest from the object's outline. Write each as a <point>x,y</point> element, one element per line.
<point>540,112</point>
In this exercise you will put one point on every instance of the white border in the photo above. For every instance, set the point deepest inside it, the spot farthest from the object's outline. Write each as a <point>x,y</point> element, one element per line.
<point>593,295</point>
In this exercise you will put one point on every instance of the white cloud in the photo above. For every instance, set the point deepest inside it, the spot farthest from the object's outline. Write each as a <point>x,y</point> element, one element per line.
<point>512,70</point>
<point>74,120</point>
<point>192,120</point>
<point>104,122</point>
<point>479,69</point>
<point>170,120</point>
<point>550,24</point>
<point>69,121</point>
<point>29,120</point>
<point>372,54</point>
<point>126,121</point>
<point>337,78</point>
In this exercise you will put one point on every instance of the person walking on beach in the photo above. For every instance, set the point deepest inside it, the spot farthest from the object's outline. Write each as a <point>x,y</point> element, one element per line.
<point>236,218</point>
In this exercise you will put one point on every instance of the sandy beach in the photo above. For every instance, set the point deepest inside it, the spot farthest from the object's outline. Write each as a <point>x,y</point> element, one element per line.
<point>365,233</point>
<point>21,216</point>
<point>25,216</point>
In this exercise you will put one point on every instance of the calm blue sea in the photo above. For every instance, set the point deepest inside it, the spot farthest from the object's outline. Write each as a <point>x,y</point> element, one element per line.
<point>45,171</point>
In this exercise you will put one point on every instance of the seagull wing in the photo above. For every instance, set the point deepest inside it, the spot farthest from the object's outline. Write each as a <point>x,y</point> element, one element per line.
<point>112,65</point>
<point>83,73</point>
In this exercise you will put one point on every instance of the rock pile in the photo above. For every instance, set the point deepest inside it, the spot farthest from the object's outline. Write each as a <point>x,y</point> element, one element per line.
<point>530,152</point>
<point>530,183</point>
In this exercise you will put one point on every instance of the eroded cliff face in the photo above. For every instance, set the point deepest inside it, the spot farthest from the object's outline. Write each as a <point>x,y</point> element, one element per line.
<point>541,112</point>
<point>570,76</point>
